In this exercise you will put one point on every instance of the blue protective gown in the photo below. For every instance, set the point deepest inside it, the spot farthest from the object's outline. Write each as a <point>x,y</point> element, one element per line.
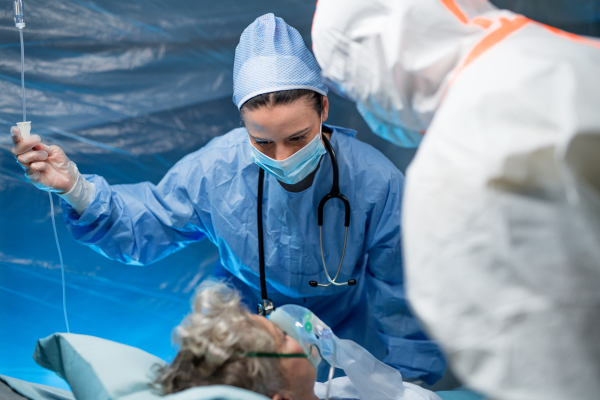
<point>212,193</point>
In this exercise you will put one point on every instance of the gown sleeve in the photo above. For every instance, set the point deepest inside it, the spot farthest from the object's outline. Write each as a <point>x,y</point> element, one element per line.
<point>138,224</point>
<point>409,349</point>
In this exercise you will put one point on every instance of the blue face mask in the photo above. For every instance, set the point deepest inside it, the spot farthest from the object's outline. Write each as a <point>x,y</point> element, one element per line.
<point>297,166</point>
<point>391,131</point>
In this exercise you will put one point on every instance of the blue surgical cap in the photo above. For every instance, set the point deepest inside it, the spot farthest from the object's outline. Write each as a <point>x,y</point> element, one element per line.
<point>270,57</point>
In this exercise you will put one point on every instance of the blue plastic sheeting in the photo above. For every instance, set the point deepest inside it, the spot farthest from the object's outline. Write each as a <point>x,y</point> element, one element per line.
<point>127,88</point>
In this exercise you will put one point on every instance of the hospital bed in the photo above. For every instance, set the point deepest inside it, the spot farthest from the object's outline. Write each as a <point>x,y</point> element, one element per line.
<point>99,369</point>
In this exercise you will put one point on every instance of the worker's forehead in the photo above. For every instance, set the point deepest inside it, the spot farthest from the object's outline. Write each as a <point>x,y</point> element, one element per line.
<point>282,120</point>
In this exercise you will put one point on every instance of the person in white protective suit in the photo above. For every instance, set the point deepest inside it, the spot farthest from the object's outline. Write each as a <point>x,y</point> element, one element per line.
<point>501,214</point>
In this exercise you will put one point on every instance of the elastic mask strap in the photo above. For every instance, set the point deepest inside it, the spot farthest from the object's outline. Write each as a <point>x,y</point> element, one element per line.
<point>321,126</point>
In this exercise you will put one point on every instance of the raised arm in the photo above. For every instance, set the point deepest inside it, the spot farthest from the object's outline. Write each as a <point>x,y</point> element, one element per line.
<point>135,224</point>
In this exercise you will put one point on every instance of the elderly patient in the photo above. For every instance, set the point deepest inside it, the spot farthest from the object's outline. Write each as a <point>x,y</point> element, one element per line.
<point>219,344</point>
<point>223,343</point>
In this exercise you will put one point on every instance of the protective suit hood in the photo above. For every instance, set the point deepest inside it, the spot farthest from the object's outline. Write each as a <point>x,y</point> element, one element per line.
<point>395,59</point>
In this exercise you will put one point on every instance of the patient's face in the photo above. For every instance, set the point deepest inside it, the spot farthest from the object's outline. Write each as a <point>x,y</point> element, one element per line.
<point>299,372</point>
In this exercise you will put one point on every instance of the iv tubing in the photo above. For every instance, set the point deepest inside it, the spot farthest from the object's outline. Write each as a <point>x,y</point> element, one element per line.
<point>62,266</point>
<point>23,74</point>
<point>331,371</point>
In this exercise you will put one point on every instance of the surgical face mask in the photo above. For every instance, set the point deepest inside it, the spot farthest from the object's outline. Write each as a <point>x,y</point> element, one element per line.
<point>392,131</point>
<point>356,69</point>
<point>297,166</point>
<point>371,378</point>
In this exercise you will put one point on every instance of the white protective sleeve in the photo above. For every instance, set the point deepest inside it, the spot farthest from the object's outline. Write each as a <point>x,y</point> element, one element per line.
<point>501,209</point>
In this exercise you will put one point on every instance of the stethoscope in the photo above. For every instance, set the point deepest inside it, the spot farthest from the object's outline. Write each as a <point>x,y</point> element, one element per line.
<point>266,307</point>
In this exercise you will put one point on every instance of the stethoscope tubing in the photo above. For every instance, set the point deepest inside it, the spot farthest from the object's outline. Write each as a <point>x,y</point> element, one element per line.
<point>332,281</point>
<point>261,245</point>
<point>267,306</point>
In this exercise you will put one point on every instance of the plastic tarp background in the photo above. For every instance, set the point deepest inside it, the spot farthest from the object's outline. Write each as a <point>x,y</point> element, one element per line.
<point>127,88</point>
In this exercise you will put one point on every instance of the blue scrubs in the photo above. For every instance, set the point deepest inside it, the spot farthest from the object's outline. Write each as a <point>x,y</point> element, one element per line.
<point>212,193</point>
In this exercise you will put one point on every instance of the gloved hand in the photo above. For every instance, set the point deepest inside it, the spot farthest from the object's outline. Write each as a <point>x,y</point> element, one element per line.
<point>47,167</point>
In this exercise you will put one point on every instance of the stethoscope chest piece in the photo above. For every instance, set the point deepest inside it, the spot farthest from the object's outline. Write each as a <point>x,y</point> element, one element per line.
<point>265,308</point>
<point>351,282</point>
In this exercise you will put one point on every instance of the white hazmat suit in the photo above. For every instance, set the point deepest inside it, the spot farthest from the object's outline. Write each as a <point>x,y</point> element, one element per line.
<point>501,214</point>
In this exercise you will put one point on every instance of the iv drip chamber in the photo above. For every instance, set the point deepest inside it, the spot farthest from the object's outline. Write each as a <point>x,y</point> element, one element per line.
<point>19,14</point>
<point>25,128</point>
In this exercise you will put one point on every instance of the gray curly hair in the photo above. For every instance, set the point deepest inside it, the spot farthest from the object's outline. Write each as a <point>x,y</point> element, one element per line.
<point>214,340</point>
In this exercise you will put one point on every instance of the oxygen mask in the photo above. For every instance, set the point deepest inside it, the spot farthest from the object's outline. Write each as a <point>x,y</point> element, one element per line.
<point>304,327</point>
<point>372,378</point>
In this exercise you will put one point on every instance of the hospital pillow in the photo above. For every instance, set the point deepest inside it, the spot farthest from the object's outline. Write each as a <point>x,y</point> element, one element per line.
<point>28,390</point>
<point>98,369</point>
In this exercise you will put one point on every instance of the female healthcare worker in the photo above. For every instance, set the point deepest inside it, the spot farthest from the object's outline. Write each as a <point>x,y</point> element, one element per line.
<point>213,193</point>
